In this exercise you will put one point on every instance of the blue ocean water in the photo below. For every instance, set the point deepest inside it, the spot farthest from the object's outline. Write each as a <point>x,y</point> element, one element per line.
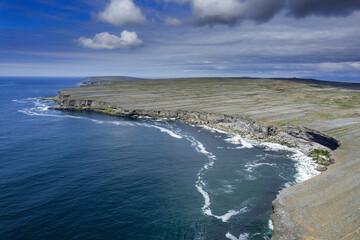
<point>76,175</point>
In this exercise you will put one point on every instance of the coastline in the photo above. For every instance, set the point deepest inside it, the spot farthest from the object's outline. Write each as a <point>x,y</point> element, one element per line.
<point>325,207</point>
<point>302,138</point>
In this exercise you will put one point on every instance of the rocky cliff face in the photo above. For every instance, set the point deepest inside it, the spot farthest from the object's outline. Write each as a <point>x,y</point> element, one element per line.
<point>304,138</point>
<point>312,136</point>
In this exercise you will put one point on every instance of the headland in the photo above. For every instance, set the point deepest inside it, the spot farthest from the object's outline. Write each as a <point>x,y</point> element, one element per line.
<point>321,119</point>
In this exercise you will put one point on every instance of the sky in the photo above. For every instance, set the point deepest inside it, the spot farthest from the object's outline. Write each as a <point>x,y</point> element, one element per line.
<point>181,38</point>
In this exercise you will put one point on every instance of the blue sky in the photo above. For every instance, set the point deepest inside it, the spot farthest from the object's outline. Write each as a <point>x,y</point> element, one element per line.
<point>181,38</point>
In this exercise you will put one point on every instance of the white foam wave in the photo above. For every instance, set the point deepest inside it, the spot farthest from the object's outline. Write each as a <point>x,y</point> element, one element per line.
<point>251,165</point>
<point>41,108</point>
<point>161,119</point>
<point>24,100</point>
<point>250,177</point>
<point>171,133</point>
<point>231,213</point>
<point>305,166</point>
<point>121,123</point>
<point>213,129</point>
<point>201,149</point>
<point>243,236</point>
<point>228,188</point>
<point>164,130</point>
<point>270,224</point>
<point>246,143</point>
<point>200,183</point>
<point>236,139</point>
<point>275,147</point>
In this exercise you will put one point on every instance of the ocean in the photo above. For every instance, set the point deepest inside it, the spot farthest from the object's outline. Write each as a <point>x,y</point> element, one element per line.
<point>80,175</point>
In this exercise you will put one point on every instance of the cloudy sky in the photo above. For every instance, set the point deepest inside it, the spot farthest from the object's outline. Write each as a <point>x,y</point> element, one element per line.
<point>181,38</point>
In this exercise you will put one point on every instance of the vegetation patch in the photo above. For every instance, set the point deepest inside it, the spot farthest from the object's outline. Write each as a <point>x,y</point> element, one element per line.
<point>317,152</point>
<point>320,156</point>
<point>343,103</point>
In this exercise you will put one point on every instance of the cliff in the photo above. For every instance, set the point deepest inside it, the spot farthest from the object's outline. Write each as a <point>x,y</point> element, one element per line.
<point>305,139</point>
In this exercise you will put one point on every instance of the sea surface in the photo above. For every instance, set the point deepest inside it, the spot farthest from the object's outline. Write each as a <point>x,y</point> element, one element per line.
<point>78,175</point>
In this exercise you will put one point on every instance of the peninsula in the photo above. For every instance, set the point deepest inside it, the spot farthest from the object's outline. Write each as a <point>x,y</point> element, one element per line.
<point>322,119</point>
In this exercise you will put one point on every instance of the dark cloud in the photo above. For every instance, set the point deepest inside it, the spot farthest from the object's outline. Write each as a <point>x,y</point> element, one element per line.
<point>230,12</point>
<point>210,12</point>
<point>263,10</point>
<point>303,8</point>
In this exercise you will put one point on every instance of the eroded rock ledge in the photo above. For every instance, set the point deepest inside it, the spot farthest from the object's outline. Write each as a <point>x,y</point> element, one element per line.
<point>303,138</point>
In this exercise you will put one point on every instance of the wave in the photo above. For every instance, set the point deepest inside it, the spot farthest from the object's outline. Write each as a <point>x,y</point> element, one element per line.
<point>227,188</point>
<point>164,130</point>
<point>212,129</point>
<point>305,166</point>
<point>200,183</point>
<point>243,236</point>
<point>236,139</point>
<point>27,99</point>
<point>255,164</point>
<point>171,133</point>
<point>41,108</point>
<point>271,225</point>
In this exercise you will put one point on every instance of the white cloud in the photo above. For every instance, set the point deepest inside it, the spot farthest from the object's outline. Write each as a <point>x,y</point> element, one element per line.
<point>170,21</point>
<point>216,10</point>
<point>338,66</point>
<point>106,40</point>
<point>121,12</point>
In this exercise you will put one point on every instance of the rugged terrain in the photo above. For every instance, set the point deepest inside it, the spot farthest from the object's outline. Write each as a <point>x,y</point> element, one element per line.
<point>279,110</point>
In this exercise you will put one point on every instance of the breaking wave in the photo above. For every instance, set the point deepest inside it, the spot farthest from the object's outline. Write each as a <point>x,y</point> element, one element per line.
<point>200,183</point>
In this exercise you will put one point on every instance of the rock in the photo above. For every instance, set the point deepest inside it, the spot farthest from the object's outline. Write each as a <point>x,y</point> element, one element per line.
<point>312,136</point>
<point>321,168</point>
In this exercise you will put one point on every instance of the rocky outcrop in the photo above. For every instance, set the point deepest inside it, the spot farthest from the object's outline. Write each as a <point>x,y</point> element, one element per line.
<point>312,136</point>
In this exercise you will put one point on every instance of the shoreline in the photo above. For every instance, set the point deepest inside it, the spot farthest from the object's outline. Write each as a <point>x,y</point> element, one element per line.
<point>299,153</point>
<point>302,138</point>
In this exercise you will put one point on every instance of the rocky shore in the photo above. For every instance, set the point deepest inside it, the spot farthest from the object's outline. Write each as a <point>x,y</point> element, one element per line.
<point>302,138</point>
